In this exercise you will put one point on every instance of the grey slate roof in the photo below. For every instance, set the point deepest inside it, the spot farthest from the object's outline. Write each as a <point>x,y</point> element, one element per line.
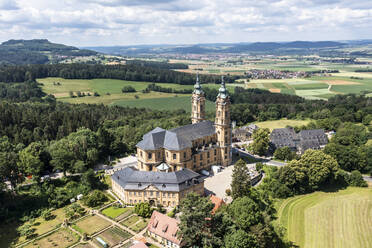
<point>281,137</point>
<point>131,179</point>
<point>178,138</point>
<point>305,139</point>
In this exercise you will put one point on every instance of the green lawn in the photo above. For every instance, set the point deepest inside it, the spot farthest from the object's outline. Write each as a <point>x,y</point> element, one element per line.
<point>91,224</point>
<point>281,123</point>
<point>131,220</point>
<point>166,103</point>
<point>340,219</point>
<point>114,212</point>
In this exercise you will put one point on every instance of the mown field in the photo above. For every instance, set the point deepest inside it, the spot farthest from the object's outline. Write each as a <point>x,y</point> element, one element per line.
<point>341,219</point>
<point>111,94</point>
<point>281,123</point>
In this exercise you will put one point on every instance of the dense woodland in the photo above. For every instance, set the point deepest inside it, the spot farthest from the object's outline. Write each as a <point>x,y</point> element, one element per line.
<point>157,64</point>
<point>123,72</point>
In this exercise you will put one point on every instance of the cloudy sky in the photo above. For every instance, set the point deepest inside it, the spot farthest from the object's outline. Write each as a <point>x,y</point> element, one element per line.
<point>128,22</point>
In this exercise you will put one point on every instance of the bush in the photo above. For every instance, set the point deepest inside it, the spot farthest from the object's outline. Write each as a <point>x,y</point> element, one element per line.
<point>259,166</point>
<point>143,209</point>
<point>74,211</point>
<point>47,215</point>
<point>129,88</point>
<point>95,198</point>
<point>356,179</point>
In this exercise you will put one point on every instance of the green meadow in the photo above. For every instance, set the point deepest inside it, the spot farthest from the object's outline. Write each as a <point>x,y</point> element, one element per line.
<point>328,219</point>
<point>111,94</point>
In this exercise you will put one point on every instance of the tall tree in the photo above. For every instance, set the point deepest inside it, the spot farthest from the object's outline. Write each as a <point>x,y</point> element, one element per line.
<point>196,215</point>
<point>261,141</point>
<point>241,181</point>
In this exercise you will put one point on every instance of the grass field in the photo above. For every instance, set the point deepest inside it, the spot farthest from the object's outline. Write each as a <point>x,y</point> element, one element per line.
<point>338,219</point>
<point>59,239</point>
<point>114,212</point>
<point>91,224</point>
<point>110,93</point>
<point>166,103</point>
<point>317,87</point>
<point>130,221</point>
<point>281,123</point>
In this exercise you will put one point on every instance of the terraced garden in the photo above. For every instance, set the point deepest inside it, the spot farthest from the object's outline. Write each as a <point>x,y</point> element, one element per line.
<point>113,236</point>
<point>59,239</point>
<point>336,219</point>
<point>91,224</point>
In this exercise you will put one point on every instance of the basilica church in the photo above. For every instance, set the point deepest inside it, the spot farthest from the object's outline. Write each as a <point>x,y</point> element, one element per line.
<point>169,160</point>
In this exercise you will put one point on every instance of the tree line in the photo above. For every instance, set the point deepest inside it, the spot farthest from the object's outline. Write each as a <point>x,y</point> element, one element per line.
<point>123,72</point>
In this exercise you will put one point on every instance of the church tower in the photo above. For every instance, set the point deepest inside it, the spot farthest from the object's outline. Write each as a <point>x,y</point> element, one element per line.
<point>197,103</point>
<point>223,125</point>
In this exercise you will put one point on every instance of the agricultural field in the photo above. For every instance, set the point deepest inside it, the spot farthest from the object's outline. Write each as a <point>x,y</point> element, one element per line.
<point>329,219</point>
<point>111,94</point>
<point>281,123</point>
<point>91,224</point>
<point>113,236</point>
<point>59,239</point>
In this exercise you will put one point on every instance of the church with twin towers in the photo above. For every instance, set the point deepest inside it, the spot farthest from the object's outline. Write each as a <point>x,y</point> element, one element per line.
<point>168,161</point>
<point>197,146</point>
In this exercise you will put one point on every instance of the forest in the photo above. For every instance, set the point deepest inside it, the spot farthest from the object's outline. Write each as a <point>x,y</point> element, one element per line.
<point>124,72</point>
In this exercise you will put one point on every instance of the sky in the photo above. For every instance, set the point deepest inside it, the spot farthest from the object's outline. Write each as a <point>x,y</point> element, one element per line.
<point>134,22</point>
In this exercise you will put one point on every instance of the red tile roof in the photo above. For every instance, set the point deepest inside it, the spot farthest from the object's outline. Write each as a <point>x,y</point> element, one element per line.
<point>218,202</point>
<point>164,226</point>
<point>139,245</point>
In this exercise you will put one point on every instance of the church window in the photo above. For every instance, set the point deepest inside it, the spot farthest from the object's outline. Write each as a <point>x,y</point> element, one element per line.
<point>184,155</point>
<point>174,156</point>
<point>215,152</point>
<point>158,154</point>
<point>201,156</point>
<point>141,153</point>
<point>149,155</point>
<point>144,194</point>
<point>207,154</point>
<point>157,194</point>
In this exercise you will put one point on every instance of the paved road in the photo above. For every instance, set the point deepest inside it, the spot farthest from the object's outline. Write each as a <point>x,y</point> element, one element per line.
<point>262,159</point>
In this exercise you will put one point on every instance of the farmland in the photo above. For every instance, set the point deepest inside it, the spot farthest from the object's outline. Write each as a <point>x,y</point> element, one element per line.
<point>329,219</point>
<point>111,94</point>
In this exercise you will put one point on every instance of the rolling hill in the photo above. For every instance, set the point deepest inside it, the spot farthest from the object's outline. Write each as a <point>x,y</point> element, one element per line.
<point>38,51</point>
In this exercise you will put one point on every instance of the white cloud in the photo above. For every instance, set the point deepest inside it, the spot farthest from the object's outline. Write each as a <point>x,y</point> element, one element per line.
<point>121,22</point>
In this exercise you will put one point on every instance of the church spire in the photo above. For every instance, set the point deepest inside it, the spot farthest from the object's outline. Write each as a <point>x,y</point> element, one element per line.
<point>223,91</point>
<point>197,103</point>
<point>197,87</point>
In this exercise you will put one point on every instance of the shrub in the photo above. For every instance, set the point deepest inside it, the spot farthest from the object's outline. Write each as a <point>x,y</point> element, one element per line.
<point>143,209</point>
<point>356,179</point>
<point>95,198</point>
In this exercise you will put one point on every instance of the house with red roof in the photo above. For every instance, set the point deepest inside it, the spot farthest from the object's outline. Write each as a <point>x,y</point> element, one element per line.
<point>164,230</point>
